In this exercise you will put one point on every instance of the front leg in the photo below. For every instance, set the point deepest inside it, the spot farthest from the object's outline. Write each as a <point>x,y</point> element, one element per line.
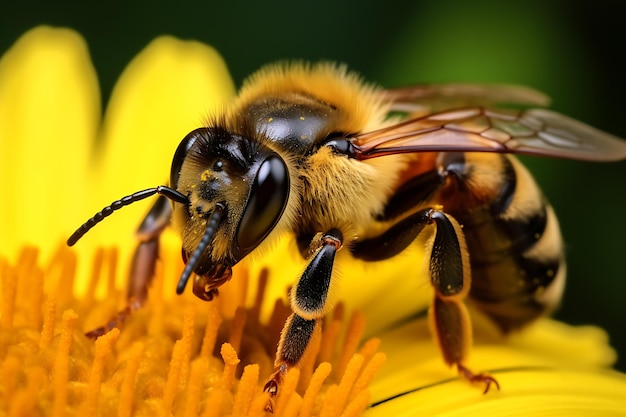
<point>308,302</point>
<point>143,264</point>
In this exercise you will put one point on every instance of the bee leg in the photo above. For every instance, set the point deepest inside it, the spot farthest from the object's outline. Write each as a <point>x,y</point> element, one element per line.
<point>143,264</point>
<point>308,301</point>
<point>294,340</point>
<point>452,326</point>
<point>450,277</point>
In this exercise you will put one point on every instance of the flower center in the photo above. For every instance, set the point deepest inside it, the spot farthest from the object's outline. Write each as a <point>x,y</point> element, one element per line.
<point>176,354</point>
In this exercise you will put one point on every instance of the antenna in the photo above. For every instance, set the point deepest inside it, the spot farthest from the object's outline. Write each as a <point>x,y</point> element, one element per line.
<point>167,192</point>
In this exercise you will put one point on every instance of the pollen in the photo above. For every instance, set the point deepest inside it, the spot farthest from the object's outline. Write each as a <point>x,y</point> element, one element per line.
<point>176,356</point>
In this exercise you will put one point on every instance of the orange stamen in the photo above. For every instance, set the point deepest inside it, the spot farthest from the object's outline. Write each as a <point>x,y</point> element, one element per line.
<point>104,345</point>
<point>367,374</point>
<point>236,328</point>
<point>127,390</point>
<point>187,339</point>
<point>356,327</point>
<point>199,369</point>
<point>328,408</point>
<point>357,406</point>
<point>287,390</point>
<point>94,278</point>
<point>9,290</point>
<point>315,384</point>
<point>369,348</point>
<point>214,319</point>
<point>173,382</point>
<point>229,354</point>
<point>47,330</point>
<point>246,390</point>
<point>329,340</point>
<point>61,364</point>
<point>347,381</point>
<point>257,408</point>
<point>35,296</point>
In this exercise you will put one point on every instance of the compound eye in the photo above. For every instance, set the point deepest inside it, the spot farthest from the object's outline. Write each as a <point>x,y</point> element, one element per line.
<point>181,154</point>
<point>266,204</point>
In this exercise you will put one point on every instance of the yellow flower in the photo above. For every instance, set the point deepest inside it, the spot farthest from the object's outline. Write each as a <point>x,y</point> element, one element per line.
<point>59,164</point>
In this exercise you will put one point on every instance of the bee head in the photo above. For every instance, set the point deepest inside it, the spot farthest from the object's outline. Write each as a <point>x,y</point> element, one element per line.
<point>237,190</point>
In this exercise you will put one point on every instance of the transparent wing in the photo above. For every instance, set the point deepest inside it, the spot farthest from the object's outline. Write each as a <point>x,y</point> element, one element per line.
<point>477,129</point>
<point>429,98</point>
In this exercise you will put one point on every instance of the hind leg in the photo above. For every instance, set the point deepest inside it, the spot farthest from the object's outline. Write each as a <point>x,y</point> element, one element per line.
<point>450,276</point>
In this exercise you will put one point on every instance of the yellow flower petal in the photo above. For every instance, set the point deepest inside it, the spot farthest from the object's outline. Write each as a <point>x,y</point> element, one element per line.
<point>168,90</point>
<point>531,392</point>
<point>548,368</point>
<point>49,115</point>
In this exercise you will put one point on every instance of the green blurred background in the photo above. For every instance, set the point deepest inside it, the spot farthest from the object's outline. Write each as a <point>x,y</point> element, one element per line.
<point>574,51</point>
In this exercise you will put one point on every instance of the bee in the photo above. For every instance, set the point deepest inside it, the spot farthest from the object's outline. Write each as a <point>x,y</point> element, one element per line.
<point>312,151</point>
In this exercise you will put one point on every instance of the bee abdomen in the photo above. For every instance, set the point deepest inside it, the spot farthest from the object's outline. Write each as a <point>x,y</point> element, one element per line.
<point>517,289</point>
<point>516,252</point>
